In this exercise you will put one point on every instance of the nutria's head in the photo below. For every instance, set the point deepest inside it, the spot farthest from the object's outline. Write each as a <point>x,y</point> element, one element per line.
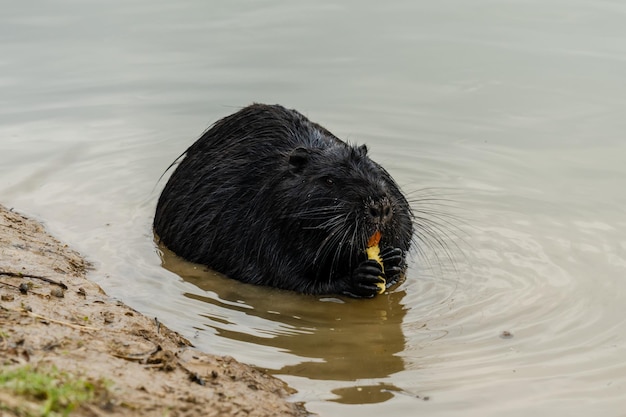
<point>339,197</point>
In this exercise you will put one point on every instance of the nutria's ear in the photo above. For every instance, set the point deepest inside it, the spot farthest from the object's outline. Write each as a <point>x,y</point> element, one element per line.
<point>298,159</point>
<point>363,150</point>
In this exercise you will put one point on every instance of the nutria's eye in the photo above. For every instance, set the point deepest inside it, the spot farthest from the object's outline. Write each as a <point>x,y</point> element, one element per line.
<point>327,181</point>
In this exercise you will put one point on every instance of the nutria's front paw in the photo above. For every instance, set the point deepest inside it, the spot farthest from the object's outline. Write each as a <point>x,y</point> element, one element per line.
<point>393,260</point>
<point>364,279</point>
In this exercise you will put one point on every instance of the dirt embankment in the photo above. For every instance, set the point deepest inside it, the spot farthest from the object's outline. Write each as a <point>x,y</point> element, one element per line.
<point>54,321</point>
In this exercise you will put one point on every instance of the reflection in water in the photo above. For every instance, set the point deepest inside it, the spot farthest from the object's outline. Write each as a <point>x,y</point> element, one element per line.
<point>334,338</point>
<point>369,394</point>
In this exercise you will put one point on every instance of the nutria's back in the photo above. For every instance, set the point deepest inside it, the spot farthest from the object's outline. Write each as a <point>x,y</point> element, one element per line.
<point>268,197</point>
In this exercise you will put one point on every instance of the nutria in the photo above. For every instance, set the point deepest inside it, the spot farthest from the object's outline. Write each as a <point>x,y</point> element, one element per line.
<point>268,197</point>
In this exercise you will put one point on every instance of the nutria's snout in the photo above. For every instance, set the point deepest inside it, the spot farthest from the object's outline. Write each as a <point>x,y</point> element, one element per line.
<point>380,211</point>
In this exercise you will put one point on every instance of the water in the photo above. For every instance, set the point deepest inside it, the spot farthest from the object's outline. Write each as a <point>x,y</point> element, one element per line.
<point>511,112</point>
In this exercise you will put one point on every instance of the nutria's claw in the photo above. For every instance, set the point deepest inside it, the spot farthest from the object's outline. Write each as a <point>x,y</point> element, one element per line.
<point>393,260</point>
<point>364,280</point>
<point>392,256</point>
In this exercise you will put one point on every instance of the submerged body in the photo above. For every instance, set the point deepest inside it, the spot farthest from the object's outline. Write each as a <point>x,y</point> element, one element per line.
<point>267,197</point>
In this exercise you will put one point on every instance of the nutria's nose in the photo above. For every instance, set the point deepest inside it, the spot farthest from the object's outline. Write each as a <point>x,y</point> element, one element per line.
<point>380,211</point>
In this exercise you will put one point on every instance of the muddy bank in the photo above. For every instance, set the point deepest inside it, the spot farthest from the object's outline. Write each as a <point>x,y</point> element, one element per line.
<point>52,319</point>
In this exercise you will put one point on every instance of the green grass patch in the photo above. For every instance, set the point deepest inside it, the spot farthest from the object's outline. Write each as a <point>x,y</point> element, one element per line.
<point>54,392</point>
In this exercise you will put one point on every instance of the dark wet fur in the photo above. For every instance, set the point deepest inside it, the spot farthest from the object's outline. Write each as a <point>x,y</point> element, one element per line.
<point>267,197</point>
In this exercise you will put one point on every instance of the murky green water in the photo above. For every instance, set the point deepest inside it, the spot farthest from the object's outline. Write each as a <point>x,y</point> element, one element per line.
<point>511,113</point>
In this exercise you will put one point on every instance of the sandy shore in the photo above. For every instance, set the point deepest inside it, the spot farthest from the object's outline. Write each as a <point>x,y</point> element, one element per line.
<point>55,321</point>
